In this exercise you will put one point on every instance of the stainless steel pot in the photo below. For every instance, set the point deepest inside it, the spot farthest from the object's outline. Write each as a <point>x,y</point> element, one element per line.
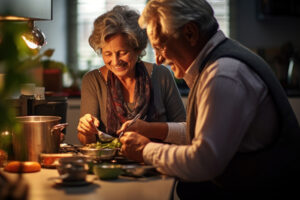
<point>40,134</point>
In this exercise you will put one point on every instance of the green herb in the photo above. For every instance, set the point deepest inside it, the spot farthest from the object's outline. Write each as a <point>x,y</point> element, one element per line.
<point>111,145</point>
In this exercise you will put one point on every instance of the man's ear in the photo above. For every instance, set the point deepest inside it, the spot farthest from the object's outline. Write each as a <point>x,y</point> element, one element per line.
<point>191,33</point>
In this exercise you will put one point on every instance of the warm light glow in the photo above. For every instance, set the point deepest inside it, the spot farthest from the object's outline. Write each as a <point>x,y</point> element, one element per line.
<point>5,133</point>
<point>29,43</point>
<point>13,18</point>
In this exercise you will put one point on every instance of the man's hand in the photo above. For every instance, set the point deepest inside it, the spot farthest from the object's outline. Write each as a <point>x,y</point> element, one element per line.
<point>133,145</point>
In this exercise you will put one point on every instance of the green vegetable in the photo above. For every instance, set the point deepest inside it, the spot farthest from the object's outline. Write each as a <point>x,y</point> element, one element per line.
<point>116,142</point>
<point>111,145</point>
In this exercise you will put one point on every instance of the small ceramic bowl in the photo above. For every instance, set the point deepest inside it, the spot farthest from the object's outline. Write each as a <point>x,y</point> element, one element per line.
<point>51,160</point>
<point>72,168</point>
<point>107,171</point>
<point>137,170</point>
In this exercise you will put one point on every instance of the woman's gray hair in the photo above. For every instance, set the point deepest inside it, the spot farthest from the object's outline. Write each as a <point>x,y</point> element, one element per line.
<point>169,15</point>
<point>121,19</point>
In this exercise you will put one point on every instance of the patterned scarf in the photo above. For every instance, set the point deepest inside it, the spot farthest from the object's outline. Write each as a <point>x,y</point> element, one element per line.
<point>117,111</point>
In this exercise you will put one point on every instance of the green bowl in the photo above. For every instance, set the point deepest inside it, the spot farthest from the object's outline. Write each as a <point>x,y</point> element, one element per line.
<point>107,171</point>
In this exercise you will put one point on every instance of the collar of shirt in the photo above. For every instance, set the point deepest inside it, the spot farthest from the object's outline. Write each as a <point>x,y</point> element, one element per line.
<point>192,71</point>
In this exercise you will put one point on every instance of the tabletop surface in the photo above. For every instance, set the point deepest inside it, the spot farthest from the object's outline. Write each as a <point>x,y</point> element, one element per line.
<point>44,186</point>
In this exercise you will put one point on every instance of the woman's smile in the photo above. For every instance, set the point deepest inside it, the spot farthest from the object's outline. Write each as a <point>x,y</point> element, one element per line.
<point>119,57</point>
<point>119,68</point>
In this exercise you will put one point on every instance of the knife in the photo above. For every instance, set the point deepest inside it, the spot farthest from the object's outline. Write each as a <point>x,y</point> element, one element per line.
<point>132,122</point>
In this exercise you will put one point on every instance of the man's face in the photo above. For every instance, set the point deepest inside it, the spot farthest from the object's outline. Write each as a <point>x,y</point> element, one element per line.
<point>169,51</point>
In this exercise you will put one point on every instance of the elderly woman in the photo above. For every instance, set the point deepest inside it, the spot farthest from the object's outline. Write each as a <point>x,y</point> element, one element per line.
<point>125,86</point>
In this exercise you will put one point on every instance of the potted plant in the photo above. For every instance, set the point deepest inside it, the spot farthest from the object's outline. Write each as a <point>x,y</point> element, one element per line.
<point>15,60</point>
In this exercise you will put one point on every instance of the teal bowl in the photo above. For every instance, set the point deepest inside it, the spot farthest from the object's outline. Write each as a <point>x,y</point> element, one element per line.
<point>107,171</point>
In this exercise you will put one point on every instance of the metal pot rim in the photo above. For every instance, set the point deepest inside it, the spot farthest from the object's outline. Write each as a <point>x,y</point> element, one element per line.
<point>38,118</point>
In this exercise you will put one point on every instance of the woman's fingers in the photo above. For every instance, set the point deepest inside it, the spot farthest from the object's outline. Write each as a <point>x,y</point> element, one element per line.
<point>86,124</point>
<point>123,127</point>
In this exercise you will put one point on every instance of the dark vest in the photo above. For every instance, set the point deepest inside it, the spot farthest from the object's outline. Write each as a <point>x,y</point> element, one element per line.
<point>275,164</point>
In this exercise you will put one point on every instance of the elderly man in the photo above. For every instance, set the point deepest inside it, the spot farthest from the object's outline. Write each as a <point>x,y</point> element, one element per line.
<point>241,133</point>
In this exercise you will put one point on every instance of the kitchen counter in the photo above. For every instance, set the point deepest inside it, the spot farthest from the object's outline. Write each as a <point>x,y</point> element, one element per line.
<point>43,186</point>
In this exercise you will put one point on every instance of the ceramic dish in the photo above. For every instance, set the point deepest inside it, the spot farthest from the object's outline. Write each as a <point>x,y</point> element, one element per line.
<point>107,171</point>
<point>50,160</point>
<point>102,154</point>
<point>138,170</point>
<point>73,168</point>
<point>60,182</point>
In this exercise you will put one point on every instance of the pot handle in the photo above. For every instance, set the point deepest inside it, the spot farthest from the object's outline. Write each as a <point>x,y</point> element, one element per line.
<point>59,127</point>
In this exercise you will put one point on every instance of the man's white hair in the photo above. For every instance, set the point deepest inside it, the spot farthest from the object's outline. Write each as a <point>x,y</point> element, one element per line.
<point>170,15</point>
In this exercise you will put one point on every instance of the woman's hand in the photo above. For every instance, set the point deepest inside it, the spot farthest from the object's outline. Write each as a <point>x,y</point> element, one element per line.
<point>86,129</point>
<point>139,126</point>
<point>87,124</point>
<point>133,145</point>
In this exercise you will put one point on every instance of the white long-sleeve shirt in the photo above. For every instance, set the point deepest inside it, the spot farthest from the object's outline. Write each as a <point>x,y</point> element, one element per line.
<point>235,114</point>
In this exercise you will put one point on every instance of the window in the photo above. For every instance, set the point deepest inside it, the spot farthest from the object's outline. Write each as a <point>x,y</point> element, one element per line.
<point>221,8</point>
<point>89,10</point>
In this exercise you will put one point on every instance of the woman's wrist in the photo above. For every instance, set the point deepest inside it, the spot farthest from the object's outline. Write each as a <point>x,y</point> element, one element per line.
<point>86,139</point>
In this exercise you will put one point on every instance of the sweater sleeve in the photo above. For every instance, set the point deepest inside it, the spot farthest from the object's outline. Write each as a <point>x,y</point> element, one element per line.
<point>176,133</point>
<point>175,110</point>
<point>89,101</point>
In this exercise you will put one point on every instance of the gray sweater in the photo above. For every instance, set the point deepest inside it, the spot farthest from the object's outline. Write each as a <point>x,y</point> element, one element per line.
<point>167,100</point>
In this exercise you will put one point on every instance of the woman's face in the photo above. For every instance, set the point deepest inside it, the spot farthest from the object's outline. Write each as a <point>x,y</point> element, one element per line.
<point>119,56</point>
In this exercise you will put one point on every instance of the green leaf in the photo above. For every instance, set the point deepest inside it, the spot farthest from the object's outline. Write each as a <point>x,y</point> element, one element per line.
<point>48,52</point>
